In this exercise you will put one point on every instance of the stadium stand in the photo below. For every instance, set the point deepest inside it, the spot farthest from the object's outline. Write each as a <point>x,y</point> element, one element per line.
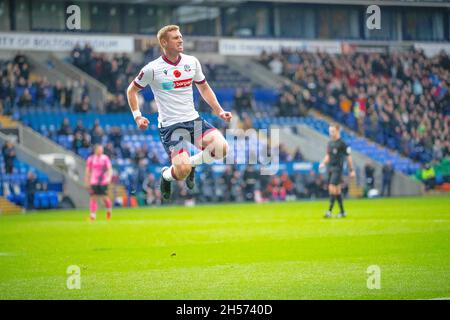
<point>20,89</point>
<point>117,71</point>
<point>128,147</point>
<point>372,150</point>
<point>77,126</point>
<point>400,101</point>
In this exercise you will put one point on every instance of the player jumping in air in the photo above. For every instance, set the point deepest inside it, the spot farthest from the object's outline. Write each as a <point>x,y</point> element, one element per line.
<point>170,77</point>
<point>337,151</point>
<point>97,178</point>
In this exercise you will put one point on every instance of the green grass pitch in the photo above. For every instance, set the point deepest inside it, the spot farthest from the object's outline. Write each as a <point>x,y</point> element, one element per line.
<point>238,251</point>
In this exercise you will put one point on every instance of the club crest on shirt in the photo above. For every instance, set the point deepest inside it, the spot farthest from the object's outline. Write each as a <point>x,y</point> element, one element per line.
<point>165,72</point>
<point>187,68</point>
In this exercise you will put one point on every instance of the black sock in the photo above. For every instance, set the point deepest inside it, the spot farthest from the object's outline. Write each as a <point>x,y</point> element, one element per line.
<point>341,203</point>
<point>332,198</point>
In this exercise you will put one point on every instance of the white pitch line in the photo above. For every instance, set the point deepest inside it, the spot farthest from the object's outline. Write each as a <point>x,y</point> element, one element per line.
<point>6,254</point>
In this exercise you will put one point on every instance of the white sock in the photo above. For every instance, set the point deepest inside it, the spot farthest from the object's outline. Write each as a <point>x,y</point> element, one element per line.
<point>200,158</point>
<point>196,159</point>
<point>167,174</point>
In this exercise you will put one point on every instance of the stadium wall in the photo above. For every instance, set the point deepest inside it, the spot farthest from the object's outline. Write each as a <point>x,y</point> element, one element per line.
<point>39,148</point>
<point>11,41</point>
<point>28,156</point>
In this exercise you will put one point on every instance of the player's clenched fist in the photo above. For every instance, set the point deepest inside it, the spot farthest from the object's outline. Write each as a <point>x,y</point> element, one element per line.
<point>225,115</point>
<point>142,123</point>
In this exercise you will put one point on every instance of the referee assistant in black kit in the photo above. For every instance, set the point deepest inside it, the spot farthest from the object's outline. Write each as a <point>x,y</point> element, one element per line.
<point>337,151</point>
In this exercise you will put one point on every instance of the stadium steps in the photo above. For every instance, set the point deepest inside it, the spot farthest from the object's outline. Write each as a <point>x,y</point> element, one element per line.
<point>98,92</point>
<point>355,191</point>
<point>317,114</point>
<point>7,207</point>
<point>53,67</point>
<point>255,71</point>
<point>7,122</point>
<point>117,191</point>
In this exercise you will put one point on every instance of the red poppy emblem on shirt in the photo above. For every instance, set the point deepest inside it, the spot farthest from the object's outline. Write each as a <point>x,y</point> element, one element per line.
<point>177,73</point>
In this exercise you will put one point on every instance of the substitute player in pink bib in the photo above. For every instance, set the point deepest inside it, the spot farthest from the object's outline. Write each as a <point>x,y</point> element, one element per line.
<point>171,77</point>
<point>97,178</point>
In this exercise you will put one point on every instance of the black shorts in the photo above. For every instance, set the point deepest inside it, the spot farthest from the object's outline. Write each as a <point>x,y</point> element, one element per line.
<point>99,190</point>
<point>175,138</point>
<point>335,177</point>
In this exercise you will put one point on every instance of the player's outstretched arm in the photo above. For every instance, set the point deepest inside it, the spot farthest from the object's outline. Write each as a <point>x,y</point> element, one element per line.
<point>210,97</point>
<point>132,96</point>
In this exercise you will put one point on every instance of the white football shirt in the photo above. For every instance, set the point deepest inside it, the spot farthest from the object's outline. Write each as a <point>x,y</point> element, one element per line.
<point>171,83</point>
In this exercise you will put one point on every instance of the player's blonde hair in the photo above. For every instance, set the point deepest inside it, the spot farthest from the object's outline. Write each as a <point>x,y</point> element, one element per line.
<point>336,125</point>
<point>162,33</point>
<point>96,146</point>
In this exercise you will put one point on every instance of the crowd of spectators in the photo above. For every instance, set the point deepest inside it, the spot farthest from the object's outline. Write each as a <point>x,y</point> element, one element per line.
<point>232,186</point>
<point>19,88</point>
<point>115,71</point>
<point>435,174</point>
<point>82,138</point>
<point>400,100</point>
